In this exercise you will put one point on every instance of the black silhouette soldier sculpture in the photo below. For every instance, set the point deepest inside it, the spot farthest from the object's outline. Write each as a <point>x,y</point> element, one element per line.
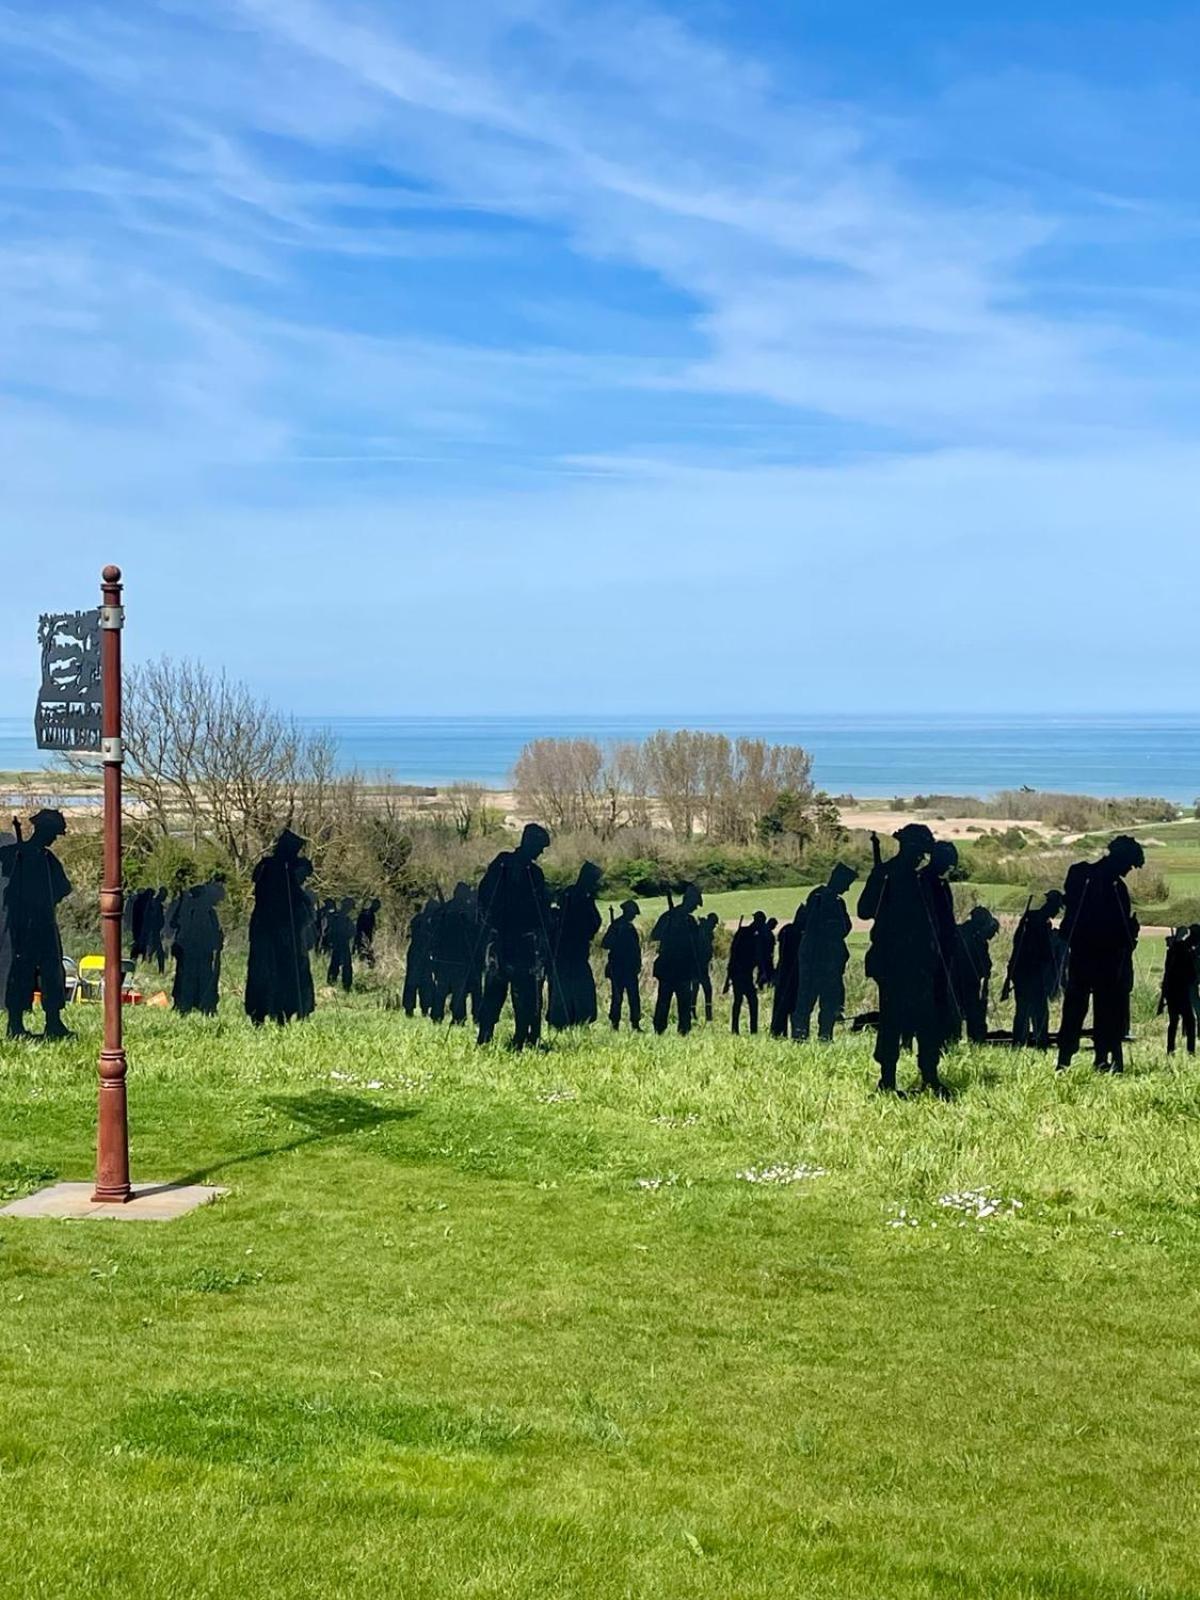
<point>706,932</point>
<point>1178,987</point>
<point>6,839</point>
<point>365,925</point>
<point>515,909</point>
<point>905,958</point>
<point>457,949</point>
<point>764,940</point>
<point>154,921</point>
<point>1101,934</point>
<point>196,946</point>
<point>135,918</point>
<point>787,973</point>
<point>278,974</point>
<point>1033,972</point>
<point>321,916</point>
<point>623,968</point>
<point>677,966</point>
<point>33,884</point>
<point>822,956</point>
<point>971,972</point>
<point>742,972</point>
<point>935,883</point>
<point>572,986</point>
<point>420,987</point>
<point>339,943</point>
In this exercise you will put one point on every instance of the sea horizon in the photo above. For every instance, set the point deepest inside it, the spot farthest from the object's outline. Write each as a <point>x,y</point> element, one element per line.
<point>867,755</point>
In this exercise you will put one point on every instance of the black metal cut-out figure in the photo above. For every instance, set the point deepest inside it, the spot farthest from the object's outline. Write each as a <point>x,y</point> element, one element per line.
<point>154,920</point>
<point>458,958</point>
<point>677,966</point>
<point>515,910</point>
<point>197,945</point>
<point>1033,972</point>
<point>742,971</point>
<point>1101,934</point>
<point>822,956</point>
<point>623,968</point>
<point>1180,969</point>
<point>278,973</point>
<point>787,973</point>
<point>706,933</point>
<point>420,986</point>
<point>365,926</point>
<point>906,958</point>
<point>339,944</point>
<point>971,972</point>
<point>33,884</point>
<point>572,986</point>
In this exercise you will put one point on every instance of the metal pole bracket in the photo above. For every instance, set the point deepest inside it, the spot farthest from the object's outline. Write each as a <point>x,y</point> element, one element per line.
<point>112,617</point>
<point>112,750</point>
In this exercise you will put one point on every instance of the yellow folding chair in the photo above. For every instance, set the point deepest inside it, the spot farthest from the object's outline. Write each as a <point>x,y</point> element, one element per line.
<point>91,977</point>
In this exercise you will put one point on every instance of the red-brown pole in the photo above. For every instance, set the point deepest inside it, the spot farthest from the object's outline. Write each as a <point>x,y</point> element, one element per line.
<point>112,1135</point>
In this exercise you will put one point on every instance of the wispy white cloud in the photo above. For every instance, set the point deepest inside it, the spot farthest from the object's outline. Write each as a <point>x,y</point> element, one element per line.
<point>558,276</point>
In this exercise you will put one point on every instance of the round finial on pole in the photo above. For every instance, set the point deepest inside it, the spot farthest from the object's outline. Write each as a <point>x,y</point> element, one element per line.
<point>111,574</point>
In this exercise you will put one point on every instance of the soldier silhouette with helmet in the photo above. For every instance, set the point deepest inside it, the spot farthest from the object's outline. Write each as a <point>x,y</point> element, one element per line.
<point>1033,972</point>
<point>1101,934</point>
<point>905,958</point>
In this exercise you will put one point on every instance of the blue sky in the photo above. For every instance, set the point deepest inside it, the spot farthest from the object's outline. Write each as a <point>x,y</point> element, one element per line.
<point>517,355</point>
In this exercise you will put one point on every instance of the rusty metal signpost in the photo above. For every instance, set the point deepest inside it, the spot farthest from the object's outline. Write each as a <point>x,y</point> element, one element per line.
<point>79,708</point>
<point>112,1129</point>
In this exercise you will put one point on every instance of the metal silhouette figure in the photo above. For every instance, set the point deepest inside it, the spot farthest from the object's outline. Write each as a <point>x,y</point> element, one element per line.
<point>822,956</point>
<point>787,973</point>
<point>365,925</point>
<point>1033,972</point>
<point>197,944</point>
<point>1180,970</point>
<point>339,944</point>
<point>278,974</point>
<point>135,918</point>
<point>457,966</point>
<point>743,969</point>
<point>1101,934</point>
<point>768,941</point>
<point>971,974</point>
<point>906,958</point>
<point>623,967</point>
<point>935,882</point>
<point>6,839</point>
<point>34,883</point>
<point>153,927</point>
<point>420,987</point>
<point>578,921</point>
<point>677,965</point>
<point>706,933</point>
<point>514,908</point>
<point>321,915</point>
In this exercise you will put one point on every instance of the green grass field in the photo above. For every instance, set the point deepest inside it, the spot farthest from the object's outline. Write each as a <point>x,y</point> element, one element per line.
<point>484,1325</point>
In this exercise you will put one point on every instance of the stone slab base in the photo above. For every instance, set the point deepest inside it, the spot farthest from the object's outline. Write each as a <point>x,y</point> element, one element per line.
<point>152,1202</point>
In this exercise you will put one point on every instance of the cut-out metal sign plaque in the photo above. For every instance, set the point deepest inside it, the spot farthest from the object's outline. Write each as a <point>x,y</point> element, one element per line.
<point>68,708</point>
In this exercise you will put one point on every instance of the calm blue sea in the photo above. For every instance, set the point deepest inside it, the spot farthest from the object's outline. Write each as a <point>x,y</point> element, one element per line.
<point>873,756</point>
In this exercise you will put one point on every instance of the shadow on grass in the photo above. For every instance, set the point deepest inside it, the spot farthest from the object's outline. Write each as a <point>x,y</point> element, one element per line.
<point>322,1115</point>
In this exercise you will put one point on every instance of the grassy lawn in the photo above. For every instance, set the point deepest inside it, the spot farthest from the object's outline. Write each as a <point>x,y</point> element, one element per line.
<point>470,1324</point>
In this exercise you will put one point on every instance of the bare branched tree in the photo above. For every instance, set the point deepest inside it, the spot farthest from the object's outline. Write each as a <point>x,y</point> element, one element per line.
<point>204,754</point>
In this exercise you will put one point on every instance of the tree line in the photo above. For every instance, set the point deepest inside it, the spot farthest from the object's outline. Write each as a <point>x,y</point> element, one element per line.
<point>726,790</point>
